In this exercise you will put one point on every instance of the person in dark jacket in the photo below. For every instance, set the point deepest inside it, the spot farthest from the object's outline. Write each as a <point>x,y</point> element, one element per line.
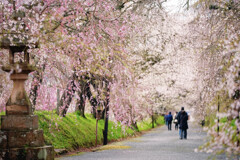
<point>179,121</point>
<point>169,121</point>
<point>183,124</point>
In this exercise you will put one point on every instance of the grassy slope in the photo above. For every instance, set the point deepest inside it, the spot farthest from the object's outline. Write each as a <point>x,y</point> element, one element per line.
<point>73,131</point>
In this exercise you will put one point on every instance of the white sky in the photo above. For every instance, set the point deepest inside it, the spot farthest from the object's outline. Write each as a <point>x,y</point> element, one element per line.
<point>178,8</point>
<point>174,6</point>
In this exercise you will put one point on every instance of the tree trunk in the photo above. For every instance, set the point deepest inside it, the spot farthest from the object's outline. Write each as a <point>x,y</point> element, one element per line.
<point>83,93</point>
<point>92,100</point>
<point>35,85</point>
<point>152,121</point>
<point>67,95</point>
<point>105,131</point>
<point>58,101</point>
<point>80,106</point>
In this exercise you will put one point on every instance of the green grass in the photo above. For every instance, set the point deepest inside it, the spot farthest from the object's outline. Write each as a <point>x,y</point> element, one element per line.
<point>1,113</point>
<point>232,122</point>
<point>72,132</point>
<point>147,124</point>
<point>68,132</point>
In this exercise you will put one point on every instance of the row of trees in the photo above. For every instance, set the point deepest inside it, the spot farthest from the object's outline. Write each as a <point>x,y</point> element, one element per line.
<point>83,52</point>
<point>129,56</point>
<point>128,51</point>
<point>216,30</point>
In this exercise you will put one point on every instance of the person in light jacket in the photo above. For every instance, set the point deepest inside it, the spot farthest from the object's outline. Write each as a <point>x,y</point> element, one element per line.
<point>175,121</point>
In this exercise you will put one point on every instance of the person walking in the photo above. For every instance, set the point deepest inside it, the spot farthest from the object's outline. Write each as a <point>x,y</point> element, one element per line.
<point>169,121</point>
<point>179,118</point>
<point>175,121</point>
<point>165,119</point>
<point>183,124</point>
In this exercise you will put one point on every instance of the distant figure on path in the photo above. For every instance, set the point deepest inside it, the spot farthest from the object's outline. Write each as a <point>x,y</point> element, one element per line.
<point>165,119</point>
<point>183,124</point>
<point>182,118</point>
<point>203,122</point>
<point>169,121</point>
<point>175,121</point>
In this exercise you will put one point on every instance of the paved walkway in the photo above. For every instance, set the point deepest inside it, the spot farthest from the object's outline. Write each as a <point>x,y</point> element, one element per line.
<point>158,144</point>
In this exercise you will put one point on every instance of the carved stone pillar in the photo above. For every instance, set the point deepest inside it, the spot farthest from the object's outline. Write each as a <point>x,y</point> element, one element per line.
<point>20,137</point>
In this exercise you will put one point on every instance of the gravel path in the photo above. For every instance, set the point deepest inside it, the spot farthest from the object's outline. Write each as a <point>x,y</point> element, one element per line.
<point>158,144</point>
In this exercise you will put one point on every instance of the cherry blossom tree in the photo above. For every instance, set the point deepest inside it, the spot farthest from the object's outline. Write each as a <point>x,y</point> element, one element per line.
<point>78,42</point>
<point>218,46</point>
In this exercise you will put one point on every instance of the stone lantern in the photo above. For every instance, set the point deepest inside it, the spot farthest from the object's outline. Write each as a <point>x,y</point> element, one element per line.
<point>20,137</point>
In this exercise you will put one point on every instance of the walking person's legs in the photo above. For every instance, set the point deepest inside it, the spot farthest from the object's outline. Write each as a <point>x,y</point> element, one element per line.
<point>185,134</point>
<point>180,133</point>
<point>170,126</point>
